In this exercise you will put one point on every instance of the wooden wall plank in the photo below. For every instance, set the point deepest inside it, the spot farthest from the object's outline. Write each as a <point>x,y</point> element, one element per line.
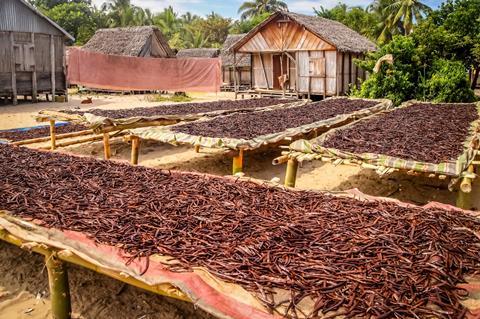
<point>295,38</point>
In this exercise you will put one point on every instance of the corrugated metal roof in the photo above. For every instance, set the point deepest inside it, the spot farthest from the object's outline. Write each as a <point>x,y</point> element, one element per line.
<point>20,16</point>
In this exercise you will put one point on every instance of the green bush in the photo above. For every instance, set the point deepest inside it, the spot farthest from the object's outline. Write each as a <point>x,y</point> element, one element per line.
<point>396,82</point>
<point>414,75</point>
<point>448,82</point>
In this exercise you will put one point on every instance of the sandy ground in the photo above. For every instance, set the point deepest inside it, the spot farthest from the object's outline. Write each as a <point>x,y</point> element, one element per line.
<point>22,277</point>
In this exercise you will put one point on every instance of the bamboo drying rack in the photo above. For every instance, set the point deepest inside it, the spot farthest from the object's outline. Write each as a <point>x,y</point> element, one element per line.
<point>237,153</point>
<point>464,197</point>
<point>55,260</point>
<point>100,133</point>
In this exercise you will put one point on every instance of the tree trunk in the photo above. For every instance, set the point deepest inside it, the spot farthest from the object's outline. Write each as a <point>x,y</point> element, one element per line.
<point>476,74</point>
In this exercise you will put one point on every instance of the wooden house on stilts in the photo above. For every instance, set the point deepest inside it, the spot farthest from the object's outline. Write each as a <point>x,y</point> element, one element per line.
<point>32,52</point>
<point>296,54</point>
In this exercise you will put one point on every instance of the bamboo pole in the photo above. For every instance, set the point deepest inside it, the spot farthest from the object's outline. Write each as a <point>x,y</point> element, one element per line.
<point>466,184</point>
<point>161,289</point>
<point>57,137</point>
<point>135,149</point>
<point>237,166</point>
<point>291,174</point>
<point>59,290</point>
<point>52,135</point>
<point>80,141</point>
<point>464,200</point>
<point>280,160</point>
<point>106,146</point>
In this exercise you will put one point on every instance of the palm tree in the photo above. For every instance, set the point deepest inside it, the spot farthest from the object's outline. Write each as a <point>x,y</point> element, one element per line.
<point>121,13</point>
<point>143,17</point>
<point>385,29</point>
<point>188,18</point>
<point>256,7</point>
<point>407,12</point>
<point>195,38</point>
<point>168,21</point>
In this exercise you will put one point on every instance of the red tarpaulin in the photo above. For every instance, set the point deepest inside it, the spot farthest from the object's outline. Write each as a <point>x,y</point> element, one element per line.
<point>114,72</point>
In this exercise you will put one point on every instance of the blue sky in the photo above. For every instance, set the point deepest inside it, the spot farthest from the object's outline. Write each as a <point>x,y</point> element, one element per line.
<point>229,8</point>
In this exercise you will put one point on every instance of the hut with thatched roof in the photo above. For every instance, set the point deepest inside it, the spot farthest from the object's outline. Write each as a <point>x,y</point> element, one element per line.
<point>32,52</point>
<point>303,55</point>
<point>145,41</point>
<point>243,66</point>
<point>199,53</point>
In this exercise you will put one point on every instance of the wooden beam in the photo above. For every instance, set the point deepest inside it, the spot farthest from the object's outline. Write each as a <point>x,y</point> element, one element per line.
<point>264,71</point>
<point>65,71</point>
<point>135,149</point>
<point>53,139</point>
<point>309,77</point>
<point>356,74</point>
<point>106,146</point>
<point>343,75</point>
<point>57,137</point>
<point>325,77</point>
<point>291,57</point>
<point>14,73</point>
<point>297,75</point>
<point>281,72</point>
<point>235,74</point>
<point>52,66</point>
<point>237,166</point>
<point>350,69</point>
<point>251,71</point>
<point>34,72</point>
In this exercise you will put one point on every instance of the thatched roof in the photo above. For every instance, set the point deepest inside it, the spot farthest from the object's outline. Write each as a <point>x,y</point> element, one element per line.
<point>243,60</point>
<point>199,53</point>
<point>145,41</point>
<point>333,32</point>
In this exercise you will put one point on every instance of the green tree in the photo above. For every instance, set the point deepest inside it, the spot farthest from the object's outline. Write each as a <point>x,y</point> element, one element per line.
<point>168,22</point>
<point>397,82</point>
<point>255,7</point>
<point>195,38</point>
<point>214,28</point>
<point>75,18</point>
<point>357,18</point>
<point>245,25</point>
<point>407,12</point>
<point>48,4</point>
<point>448,82</point>
<point>414,75</point>
<point>121,13</point>
<point>453,32</point>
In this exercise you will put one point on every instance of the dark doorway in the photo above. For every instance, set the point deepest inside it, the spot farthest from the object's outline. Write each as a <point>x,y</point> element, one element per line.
<point>277,69</point>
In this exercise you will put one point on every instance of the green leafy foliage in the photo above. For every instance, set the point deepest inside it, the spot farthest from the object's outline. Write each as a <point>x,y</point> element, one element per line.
<point>76,18</point>
<point>357,18</point>
<point>411,76</point>
<point>453,32</point>
<point>396,82</point>
<point>448,82</point>
<point>250,9</point>
<point>246,25</point>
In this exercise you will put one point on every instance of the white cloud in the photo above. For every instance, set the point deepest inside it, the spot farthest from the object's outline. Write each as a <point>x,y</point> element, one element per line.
<point>180,6</point>
<point>306,6</point>
<point>229,8</point>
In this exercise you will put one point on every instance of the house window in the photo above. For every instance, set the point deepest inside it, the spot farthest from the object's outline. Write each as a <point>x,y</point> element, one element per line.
<point>317,67</point>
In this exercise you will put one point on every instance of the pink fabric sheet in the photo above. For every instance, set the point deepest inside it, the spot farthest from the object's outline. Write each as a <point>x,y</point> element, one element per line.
<point>97,70</point>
